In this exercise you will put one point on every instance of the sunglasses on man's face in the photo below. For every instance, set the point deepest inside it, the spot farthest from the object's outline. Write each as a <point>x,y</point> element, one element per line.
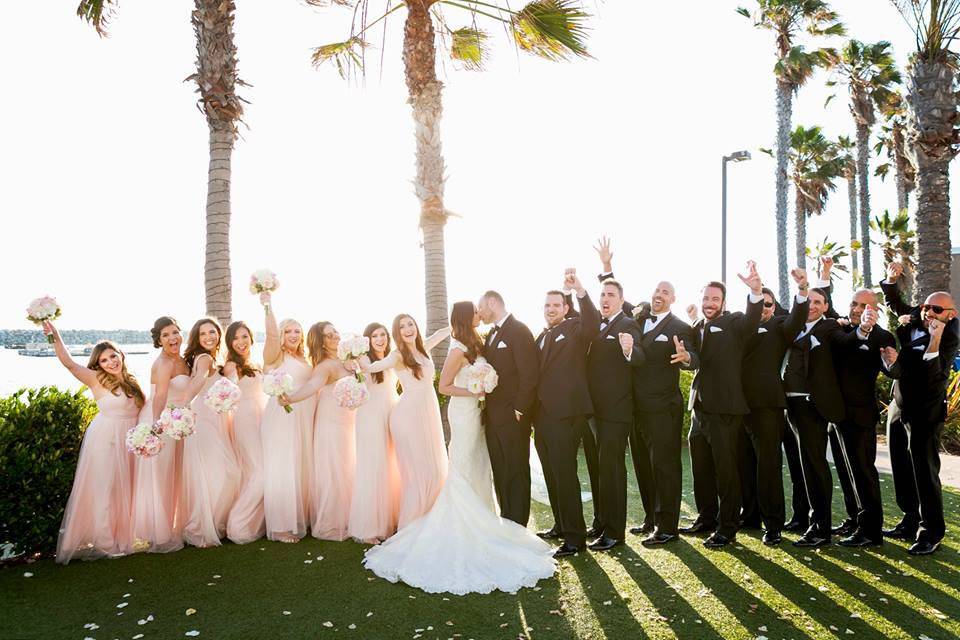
<point>768,305</point>
<point>935,308</point>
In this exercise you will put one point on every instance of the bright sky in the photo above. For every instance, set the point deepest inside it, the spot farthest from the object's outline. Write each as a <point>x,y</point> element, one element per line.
<point>105,156</point>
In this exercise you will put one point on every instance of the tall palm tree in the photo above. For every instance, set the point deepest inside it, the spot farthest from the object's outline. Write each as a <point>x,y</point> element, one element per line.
<point>932,132</point>
<point>216,79</point>
<point>870,73</point>
<point>794,66</point>
<point>551,29</point>
<point>845,155</point>
<point>891,139</point>
<point>814,167</point>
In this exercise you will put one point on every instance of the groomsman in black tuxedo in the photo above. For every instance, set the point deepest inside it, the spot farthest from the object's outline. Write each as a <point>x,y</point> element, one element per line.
<point>510,349</point>
<point>613,356</point>
<point>928,346</point>
<point>655,439</point>
<point>718,403</point>
<point>766,423</point>
<point>563,406</point>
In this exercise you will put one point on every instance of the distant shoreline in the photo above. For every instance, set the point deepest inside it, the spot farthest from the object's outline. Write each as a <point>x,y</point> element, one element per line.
<point>18,338</point>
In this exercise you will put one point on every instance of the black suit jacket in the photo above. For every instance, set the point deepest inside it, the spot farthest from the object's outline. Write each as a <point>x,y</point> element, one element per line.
<point>920,393</point>
<point>821,373</point>
<point>858,364</point>
<point>763,358</point>
<point>610,374</point>
<point>721,344</point>
<point>514,356</point>
<point>563,391</point>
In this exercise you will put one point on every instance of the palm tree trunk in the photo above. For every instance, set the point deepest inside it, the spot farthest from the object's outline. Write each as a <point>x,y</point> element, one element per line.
<point>931,135</point>
<point>216,270</point>
<point>784,115</point>
<point>901,168</point>
<point>800,222</point>
<point>863,174</point>
<point>852,202</point>
<point>419,58</point>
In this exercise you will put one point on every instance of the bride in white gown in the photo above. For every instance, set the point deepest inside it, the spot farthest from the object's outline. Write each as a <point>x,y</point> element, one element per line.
<point>462,545</point>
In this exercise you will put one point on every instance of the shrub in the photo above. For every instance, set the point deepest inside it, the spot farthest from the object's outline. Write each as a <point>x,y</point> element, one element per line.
<point>686,379</point>
<point>40,435</point>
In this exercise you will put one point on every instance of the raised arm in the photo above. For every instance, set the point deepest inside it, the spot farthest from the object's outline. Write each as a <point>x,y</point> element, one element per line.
<point>318,379</point>
<point>589,325</point>
<point>800,310</point>
<point>749,322</point>
<point>891,290</point>
<point>380,365</point>
<point>630,345</point>
<point>606,261</point>
<point>273,343</point>
<point>438,336</point>
<point>80,372</point>
<point>451,366</point>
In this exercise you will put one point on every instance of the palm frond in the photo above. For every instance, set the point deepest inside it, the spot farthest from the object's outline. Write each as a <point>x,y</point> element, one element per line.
<point>468,46</point>
<point>98,13</point>
<point>799,65</point>
<point>935,25</point>
<point>346,55</point>
<point>323,4</point>
<point>551,29</point>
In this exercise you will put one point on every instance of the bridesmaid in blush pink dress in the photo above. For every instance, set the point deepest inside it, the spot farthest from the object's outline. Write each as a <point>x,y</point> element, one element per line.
<point>211,474</point>
<point>415,423</point>
<point>246,522</point>
<point>96,522</point>
<point>376,480</point>
<point>333,445</point>
<point>286,438</point>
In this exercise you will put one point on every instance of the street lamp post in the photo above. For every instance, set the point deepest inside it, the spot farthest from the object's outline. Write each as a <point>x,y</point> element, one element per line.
<point>736,156</point>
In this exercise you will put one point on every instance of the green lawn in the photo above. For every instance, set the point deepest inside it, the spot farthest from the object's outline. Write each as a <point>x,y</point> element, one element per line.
<point>319,590</point>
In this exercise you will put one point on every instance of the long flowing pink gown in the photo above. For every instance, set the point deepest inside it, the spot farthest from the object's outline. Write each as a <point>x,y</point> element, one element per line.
<point>246,522</point>
<point>376,480</point>
<point>417,432</point>
<point>287,441</point>
<point>211,475</point>
<point>96,522</point>
<point>333,463</point>
<point>157,527</point>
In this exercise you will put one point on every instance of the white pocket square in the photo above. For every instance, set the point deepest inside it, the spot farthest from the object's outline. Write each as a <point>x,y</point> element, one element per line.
<point>661,338</point>
<point>559,338</point>
<point>762,330</point>
<point>919,347</point>
<point>502,345</point>
<point>611,337</point>
<point>864,347</point>
<point>714,329</point>
<point>814,343</point>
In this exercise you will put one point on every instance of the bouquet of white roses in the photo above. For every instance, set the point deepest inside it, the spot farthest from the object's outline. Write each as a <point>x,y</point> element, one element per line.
<point>223,395</point>
<point>143,441</point>
<point>177,422</point>
<point>482,378</point>
<point>42,310</point>
<point>277,383</point>
<point>351,347</point>
<point>263,281</point>
<point>350,393</point>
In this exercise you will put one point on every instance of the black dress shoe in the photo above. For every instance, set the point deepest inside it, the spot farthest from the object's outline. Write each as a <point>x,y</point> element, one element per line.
<point>796,526</point>
<point>644,529</point>
<point>717,540</point>
<point>923,548</point>
<point>845,528</point>
<point>594,532</point>
<point>698,526</point>
<point>565,550</point>
<point>857,539</point>
<point>604,543</point>
<point>903,531</point>
<point>550,534</point>
<point>812,539</point>
<point>772,538</point>
<point>656,539</point>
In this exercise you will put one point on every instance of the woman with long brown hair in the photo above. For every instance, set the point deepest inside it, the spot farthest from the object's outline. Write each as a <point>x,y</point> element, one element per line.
<point>415,423</point>
<point>211,473</point>
<point>96,522</point>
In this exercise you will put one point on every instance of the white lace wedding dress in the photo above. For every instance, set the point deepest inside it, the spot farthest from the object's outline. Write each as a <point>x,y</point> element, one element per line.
<point>461,545</point>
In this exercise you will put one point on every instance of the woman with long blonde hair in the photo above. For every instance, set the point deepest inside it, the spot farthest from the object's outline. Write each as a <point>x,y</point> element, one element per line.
<point>96,522</point>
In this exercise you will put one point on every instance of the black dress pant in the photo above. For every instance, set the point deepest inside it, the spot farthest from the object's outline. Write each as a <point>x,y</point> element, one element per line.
<point>747,459</point>
<point>713,442</point>
<point>851,503</point>
<point>764,428</point>
<point>660,431</point>
<point>798,499</point>
<point>558,442</point>
<point>915,460</point>
<point>858,446</point>
<point>509,449</point>
<point>592,454</point>
<point>811,431</point>
<point>642,469</point>
<point>612,505</point>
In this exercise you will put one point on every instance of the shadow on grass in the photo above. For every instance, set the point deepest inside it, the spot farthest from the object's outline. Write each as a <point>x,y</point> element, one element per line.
<point>616,619</point>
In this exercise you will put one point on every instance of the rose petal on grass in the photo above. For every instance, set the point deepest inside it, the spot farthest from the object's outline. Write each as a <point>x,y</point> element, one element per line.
<point>138,636</point>
<point>352,626</point>
<point>190,611</point>
<point>27,574</point>
<point>122,605</point>
<point>369,613</point>
<point>328,624</point>
<point>192,633</point>
<point>286,613</point>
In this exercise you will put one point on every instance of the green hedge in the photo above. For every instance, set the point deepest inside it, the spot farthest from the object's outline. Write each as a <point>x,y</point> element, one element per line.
<point>40,435</point>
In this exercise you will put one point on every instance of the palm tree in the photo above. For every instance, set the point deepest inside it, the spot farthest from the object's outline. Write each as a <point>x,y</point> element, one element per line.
<point>891,139</point>
<point>814,167</point>
<point>216,78</point>
<point>845,148</point>
<point>551,29</point>
<point>931,132</point>
<point>870,73</point>
<point>898,244</point>
<point>794,66</point>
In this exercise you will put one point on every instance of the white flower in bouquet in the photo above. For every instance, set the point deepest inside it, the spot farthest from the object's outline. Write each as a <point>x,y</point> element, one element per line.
<point>351,347</point>
<point>143,441</point>
<point>263,280</point>
<point>223,395</point>
<point>350,393</point>
<point>177,422</point>
<point>43,309</point>
<point>482,379</point>
<point>278,383</point>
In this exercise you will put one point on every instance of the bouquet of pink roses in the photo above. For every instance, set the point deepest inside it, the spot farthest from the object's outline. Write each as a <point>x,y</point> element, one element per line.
<point>177,422</point>
<point>143,441</point>
<point>350,393</point>
<point>263,280</point>
<point>277,383</point>
<point>482,378</point>
<point>42,310</point>
<point>223,395</point>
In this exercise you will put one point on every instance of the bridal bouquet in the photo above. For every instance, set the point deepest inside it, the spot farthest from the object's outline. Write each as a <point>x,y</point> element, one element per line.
<point>350,392</point>
<point>482,378</point>
<point>263,280</point>
<point>223,395</point>
<point>277,383</point>
<point>351,347</point>
<point>177,422</point>
<point>143,441</point>
<point>42,310</point>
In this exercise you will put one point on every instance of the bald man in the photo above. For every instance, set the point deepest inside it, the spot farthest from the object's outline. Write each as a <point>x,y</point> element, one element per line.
<point>928,346</point>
